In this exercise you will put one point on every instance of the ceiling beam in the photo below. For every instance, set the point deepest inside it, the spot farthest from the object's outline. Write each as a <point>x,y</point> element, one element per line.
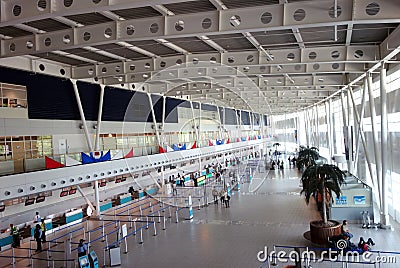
<point>339,59</point>
<point>164,27</point>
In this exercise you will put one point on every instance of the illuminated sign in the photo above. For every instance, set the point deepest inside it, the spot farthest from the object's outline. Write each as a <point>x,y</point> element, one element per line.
<point>200,181</point>
<point>40,199</point>
<point>29,201</point>
<point>72,191</point>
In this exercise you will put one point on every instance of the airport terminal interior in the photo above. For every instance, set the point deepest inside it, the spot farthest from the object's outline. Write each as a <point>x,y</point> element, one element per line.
<point>204,133</point>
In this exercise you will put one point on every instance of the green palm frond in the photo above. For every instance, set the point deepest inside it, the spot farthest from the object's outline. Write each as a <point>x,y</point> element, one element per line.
<point>315,177</point>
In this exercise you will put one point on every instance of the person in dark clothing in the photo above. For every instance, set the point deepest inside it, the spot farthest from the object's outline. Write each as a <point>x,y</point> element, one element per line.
<point>37,234</point>
<point>82,248</point>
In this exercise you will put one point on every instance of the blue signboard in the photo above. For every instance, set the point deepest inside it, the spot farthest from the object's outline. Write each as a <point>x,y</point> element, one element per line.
<point>341,200</point>
<point>359,200</point>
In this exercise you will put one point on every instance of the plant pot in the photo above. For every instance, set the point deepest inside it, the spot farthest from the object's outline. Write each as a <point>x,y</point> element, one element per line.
<point>320,233</point>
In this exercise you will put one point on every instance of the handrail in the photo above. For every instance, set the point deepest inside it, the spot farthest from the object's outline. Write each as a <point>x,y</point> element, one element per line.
<point>70,232</point>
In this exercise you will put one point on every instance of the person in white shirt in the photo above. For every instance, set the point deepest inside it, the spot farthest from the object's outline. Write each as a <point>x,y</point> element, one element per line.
<point>37,218</point>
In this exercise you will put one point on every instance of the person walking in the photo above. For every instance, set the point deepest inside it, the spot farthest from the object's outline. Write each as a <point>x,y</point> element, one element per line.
<point>82,248</point>
<point>215,195</point>
<point>37,234</point>
<point>15,236</point>
<point>43,227</point>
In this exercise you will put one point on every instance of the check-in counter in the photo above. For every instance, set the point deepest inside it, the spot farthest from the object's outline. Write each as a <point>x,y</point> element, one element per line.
<point>104,205</point>
<point>5,239</point>
<point>73,216</point>
<point>151,190</point>
<point>125,198</point>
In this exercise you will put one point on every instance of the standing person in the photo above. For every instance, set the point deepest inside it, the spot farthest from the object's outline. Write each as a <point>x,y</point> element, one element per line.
<point>15,235</point>
<point>174,190</point>
<point>37,234</point>
<point>37,218</point>
<point>215,195</point>
<point>226,199</point>
<point>221,196</point>
<point>43,227</point>
<point>82,248</point>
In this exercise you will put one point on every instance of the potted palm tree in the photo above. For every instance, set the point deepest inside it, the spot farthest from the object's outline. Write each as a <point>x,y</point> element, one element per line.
<point>307,157</point>
<point>322,180</point>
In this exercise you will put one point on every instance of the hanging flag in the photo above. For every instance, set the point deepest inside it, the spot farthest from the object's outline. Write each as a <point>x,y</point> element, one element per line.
<point>169,149</point>
<point>244,139</point>
<point>182,146</point>
<point>129,154</point>
<point>194,146</point>
<point>248,138</point>
<point>179,147</point>
<point>259,137</point>
<point>69,161</point>
<point>219,142</point>
<point>161,150</point>
<point>228,141</point>
<point>95,157</point>
<point>237,139</point>
<point>210,143</point>
<point>51,163</point>
<point>118,155</point>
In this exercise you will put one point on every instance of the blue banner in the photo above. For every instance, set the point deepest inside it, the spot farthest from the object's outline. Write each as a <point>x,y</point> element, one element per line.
<point>87,159</point>
<point>179,148</point>
<point>219,142</point>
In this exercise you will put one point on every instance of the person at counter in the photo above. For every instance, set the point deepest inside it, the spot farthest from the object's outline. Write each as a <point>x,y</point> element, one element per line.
<point>15,235</point>
<point>37,218</point>
<point>37,234</point>
<point>43,227</point>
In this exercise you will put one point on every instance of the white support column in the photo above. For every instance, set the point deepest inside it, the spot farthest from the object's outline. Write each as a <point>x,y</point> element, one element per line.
<point>359,122</point>
<point>307,127</point>
<point>317,125</point>
<point>220,123</point>
<point>237,123</point>
<point>199,125</point>
<point>194,122</point>
<point>89,143</point>
<point>154,119</point>
<point>350,133</point>
<point>86,199</point>
<point>384,148</point>
<point>346,128</point>
<point>82,115</point>
<point>344,116</point>
<point>163,138</point>
<point>99,121</point>
<point>331,127</point>
<point>375,138</point>
<point>328,131</point>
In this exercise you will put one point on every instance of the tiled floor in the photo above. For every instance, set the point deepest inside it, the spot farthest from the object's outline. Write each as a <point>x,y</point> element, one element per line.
<point>269,211</point>
<point>275,214</point>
